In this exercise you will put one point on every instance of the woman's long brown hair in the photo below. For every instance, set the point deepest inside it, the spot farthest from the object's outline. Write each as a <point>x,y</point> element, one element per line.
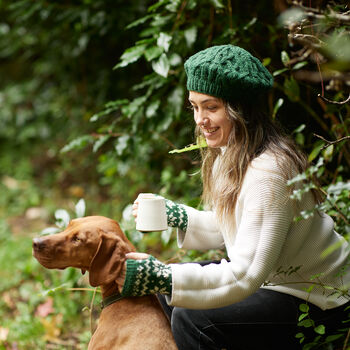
<point>252,134</point>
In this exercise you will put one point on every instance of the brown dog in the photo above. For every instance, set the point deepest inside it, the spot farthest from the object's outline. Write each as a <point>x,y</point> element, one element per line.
<point>97,244</point>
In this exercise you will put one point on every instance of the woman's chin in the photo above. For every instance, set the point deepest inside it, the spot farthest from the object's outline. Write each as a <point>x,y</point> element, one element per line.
<point>214,144</point>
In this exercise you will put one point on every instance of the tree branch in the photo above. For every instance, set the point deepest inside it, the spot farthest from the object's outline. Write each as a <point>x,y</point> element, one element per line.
<point>329,143</point>
<point>334,102</point>
<point>317,14</point>
<point>306,40</point>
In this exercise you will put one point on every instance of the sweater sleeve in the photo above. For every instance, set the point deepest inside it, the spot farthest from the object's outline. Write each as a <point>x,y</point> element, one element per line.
<point>202,231</point>
<point>266,213</point>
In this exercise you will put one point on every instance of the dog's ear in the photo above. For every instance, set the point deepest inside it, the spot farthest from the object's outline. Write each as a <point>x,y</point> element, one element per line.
<point>108,261</point>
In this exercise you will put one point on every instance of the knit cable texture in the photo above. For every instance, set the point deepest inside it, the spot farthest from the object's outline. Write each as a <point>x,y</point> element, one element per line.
<point>145,277</point>
<point>227,72</point>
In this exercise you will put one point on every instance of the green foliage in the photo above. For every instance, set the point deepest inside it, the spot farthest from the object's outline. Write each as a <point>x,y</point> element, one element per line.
<point>23,282</point>
<point>93,96</point>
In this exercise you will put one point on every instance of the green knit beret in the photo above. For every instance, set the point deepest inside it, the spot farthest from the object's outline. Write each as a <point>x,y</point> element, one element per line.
<point>228,72</point>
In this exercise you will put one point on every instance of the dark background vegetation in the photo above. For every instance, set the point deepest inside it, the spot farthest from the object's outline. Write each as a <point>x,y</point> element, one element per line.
<point>93,98</point>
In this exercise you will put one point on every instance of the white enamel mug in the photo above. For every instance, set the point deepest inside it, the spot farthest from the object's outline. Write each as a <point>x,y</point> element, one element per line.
<point>151,213</point>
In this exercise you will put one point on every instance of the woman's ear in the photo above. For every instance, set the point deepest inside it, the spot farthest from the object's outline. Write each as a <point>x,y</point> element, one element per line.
<point>108,261</point>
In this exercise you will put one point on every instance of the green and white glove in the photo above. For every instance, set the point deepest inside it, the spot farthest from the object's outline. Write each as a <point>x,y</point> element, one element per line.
<point>145,277</point>
<point>177,215</point>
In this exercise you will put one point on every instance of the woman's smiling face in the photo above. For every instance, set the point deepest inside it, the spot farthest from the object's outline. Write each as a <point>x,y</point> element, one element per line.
<point>211,116</point>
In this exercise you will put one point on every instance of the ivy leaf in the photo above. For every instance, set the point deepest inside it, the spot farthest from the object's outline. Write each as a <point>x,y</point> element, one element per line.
<point>100,142</point>
<point>279,71</point>
<point>316,150</point>
<point>49,231</point>
<point>130,55</point>
<point>320,329</point>
<point>80,208</point>
<point>152,108</point>
<point>175,100</point>
<point>122,144</point>
<point>300,65</point>
<point>299,129</point>
<point>139,21</point>
<point>302,316</point>
<point>277,106</point>
<point>291,89</point>
<point>266,61</point>
<point>62,218</point>
<point>328,152</point>
<point>331,338</point>
<point>306,323</point>
<point>163,41</point>
<point>78,143</point>
<point>304,308</point>
<point>153,52</point>
<point>217,4</point>
<point>161,66</point>
<point>285,58</point>
<point>190,35</point>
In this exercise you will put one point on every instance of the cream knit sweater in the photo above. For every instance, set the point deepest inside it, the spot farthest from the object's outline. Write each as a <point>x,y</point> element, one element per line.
<point>264,244</point>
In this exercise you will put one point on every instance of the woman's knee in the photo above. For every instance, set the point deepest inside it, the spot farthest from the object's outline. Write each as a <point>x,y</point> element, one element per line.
<point>182,320</point>
<point>190,328</point>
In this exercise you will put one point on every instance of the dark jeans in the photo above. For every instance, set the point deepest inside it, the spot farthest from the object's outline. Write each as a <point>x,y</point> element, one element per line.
<point>265,320</point>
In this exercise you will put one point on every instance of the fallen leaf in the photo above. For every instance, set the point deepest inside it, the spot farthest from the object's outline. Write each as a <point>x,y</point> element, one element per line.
<point>45,309</point>
<point>3,333</point>
<point>52,331</point>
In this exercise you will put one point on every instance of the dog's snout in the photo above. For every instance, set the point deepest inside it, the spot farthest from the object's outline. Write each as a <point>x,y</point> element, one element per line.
<point>38,243</point>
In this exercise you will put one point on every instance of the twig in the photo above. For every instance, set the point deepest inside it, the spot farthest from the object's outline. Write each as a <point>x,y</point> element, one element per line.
<point>341,214</point>
<point>318,60</point>
<point>173,146</point>
<point>310,41</point>
<point>334,102</point>
<point>211,25</point>
<point>303,57</point>
<point>178,16</point>
<point>91,309</point>
<point>346,340</point>
<point>329,143</point>
<point>83,289</point>
<point>52,344</point>
<point>229,7</point>
<point>97,136</point>
<point>310,12</point>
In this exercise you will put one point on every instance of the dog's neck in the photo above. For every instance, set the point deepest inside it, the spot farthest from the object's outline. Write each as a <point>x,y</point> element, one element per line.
<point>109,289</point>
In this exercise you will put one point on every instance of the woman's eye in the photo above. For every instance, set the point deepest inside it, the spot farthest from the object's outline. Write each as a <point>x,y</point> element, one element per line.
<point>211,108</point>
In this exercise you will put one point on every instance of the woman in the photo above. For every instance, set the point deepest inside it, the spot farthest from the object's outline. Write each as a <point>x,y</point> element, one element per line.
<point>251,300</point>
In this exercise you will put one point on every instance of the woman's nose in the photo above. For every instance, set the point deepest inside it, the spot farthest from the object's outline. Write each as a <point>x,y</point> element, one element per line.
<point>201,119</point>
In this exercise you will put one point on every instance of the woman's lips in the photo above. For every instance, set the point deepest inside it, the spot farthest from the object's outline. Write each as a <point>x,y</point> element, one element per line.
<point>210,131</point>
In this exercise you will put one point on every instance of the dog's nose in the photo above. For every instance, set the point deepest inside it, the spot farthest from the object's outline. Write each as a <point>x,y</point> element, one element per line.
<point>38,243</point>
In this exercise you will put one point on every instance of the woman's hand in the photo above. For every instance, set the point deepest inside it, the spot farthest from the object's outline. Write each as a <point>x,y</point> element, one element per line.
<point>135,206</point>
<point>144,275</point>
<point>121,278</point>
<point>176,213</point>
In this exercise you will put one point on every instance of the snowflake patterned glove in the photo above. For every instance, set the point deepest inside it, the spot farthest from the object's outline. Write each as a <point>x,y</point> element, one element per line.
<point>148,276</point>
<point>177,216</point>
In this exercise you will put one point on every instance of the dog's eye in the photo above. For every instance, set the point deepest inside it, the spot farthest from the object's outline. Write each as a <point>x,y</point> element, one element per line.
<point>75,238</point>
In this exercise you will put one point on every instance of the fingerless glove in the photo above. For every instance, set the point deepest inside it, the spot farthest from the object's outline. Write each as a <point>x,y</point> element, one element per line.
<point>145,277</point>
<point>177,215</point>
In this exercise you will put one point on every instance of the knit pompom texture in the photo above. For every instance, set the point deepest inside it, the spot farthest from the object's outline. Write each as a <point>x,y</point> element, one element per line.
<point>228,72</point>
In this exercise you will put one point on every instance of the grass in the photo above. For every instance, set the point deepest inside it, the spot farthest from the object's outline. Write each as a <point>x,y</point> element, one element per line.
<point>37,309</point>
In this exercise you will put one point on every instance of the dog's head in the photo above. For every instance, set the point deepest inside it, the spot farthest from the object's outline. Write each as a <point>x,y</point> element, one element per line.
<point>93,243</point>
